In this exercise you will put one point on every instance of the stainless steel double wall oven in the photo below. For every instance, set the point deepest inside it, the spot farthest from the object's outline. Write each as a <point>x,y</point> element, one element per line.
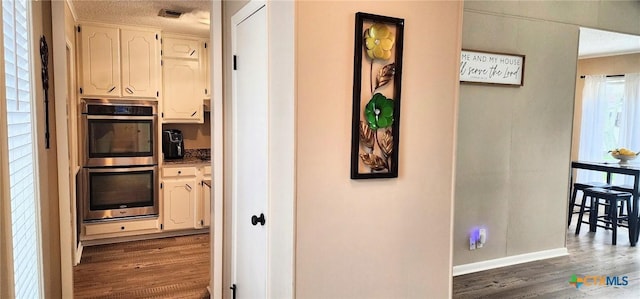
<point>120,174</point>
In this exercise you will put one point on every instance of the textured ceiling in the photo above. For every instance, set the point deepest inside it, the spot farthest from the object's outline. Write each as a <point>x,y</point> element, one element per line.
<point>598,43</point>
<point>145,13</point>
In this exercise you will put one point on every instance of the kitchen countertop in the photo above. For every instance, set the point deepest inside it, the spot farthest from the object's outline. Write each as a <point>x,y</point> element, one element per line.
<point>187,161</point>
<point>191,157</point>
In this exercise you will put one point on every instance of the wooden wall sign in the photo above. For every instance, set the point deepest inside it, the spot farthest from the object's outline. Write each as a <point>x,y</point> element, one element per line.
<point>491,68</point>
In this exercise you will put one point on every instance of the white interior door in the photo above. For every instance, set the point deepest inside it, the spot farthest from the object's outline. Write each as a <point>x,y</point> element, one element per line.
<point>250,151</point>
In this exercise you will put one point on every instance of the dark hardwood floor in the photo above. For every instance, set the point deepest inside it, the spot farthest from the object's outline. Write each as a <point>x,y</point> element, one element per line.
<point>589,254</point>
<point>179,268</point>
<point>176,267</point>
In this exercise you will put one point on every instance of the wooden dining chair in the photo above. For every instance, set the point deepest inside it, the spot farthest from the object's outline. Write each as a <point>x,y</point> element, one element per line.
<point>581,187</point>
<point>611,220</point>
<point>623,188</point>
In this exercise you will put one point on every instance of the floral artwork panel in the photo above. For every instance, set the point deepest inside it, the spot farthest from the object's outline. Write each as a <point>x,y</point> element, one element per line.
<point>376,96</point>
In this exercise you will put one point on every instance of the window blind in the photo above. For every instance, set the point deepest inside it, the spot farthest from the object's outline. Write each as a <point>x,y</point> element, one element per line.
<point>22,170</point>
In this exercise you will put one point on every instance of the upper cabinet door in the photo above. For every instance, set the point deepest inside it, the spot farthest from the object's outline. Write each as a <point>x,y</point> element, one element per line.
<point>100,61</point>
<point>182,100</point>
<point>140,63</point>
<point>206,66</point>
<point>181,48</point>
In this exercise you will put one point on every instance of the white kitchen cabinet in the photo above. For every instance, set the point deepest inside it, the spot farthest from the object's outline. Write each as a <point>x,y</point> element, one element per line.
<point>115,227</point>
<point>140,63</point>
<point>119,62</point>
<point>205,199</point>
<point>186,199</point>
<point>206,203</point>
<point>181,47</point>
<point>206,60</point>
<point>183,96</point>
<point>179,196</point>
<point>100,50</point>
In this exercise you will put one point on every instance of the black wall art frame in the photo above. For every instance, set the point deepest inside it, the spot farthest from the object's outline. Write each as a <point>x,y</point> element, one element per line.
<point>377,73</point>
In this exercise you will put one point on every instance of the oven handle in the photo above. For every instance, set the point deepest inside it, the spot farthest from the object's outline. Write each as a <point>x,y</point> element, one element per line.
<point>121,169</point>
<point>128,117</point>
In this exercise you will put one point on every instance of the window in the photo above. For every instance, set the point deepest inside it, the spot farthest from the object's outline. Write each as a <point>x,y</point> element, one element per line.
<point>22,160</point>
<point>610,120</point>
<point>614,95</point>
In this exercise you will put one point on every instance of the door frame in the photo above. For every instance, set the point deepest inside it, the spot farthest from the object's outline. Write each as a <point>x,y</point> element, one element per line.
<point>280,239</point>
<point>216,233</point>
<point>281,143</point>
<point>58,46</point>
<point>216,229</point>
<point>72,142</point>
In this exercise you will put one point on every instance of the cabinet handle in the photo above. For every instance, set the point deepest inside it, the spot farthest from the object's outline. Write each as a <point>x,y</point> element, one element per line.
<point>194,113</point>
<point>179,172</point>
<point>129,90</point>
<point>188,187</point>
<point>112,88</point>
<point>192,52</point>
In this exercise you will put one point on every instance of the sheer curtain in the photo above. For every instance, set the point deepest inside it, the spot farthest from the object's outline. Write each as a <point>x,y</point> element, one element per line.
<point>594,116</point>
<point>630,128</point>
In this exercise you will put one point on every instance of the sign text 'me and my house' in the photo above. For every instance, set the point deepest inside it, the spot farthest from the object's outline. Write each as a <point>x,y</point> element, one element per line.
<point>484,67</point>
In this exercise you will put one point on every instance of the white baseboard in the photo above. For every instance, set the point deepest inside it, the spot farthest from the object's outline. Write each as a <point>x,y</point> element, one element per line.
<point>508,261</point>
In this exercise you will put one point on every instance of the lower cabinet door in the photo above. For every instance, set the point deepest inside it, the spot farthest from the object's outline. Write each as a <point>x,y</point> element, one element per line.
<point>206,211</point>
<point>179,203</point>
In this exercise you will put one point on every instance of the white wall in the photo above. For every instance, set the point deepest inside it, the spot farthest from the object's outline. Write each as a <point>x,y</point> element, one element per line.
<point>514,143</point>
<point>47,158</point>
<point>379,238</point>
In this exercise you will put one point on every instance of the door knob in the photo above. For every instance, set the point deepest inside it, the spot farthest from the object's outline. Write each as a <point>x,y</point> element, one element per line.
<point>255,219</point>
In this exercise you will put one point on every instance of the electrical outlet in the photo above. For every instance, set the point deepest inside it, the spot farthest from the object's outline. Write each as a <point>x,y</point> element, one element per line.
<point>472,243</point>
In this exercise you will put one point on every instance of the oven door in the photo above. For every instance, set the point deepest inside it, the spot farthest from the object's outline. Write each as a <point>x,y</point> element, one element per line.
<point>119,192</point>
<point>120,140</point>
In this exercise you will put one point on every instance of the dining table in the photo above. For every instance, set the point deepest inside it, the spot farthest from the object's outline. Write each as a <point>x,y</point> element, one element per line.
<point>630,169</point>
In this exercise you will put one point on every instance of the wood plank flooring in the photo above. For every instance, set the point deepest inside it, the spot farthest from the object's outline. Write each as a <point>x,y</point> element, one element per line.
<point>176,267</point>
<point>589,254</point>
<point>179,268</point>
